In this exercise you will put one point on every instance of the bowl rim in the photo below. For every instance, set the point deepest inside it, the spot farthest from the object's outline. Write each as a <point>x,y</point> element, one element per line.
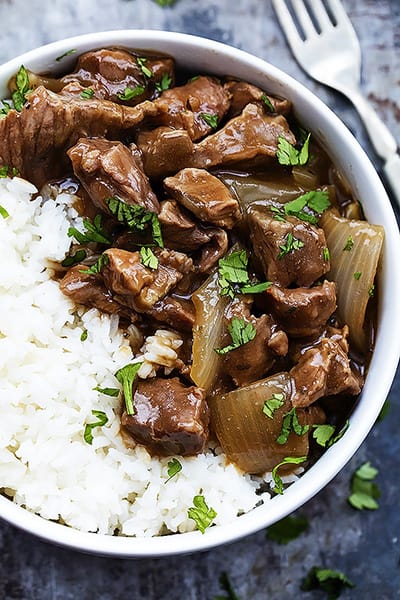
<point>387,347</point>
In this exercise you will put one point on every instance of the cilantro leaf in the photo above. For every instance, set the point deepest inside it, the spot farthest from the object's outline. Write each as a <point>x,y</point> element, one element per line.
<point>93,232</point>
<point>241,333</point>
<point>164,3</point>
<point>339,436</point>
<point>102,419</point>
<point>84,335</point>
<point>211,120</point>
<point>227,587</point>
<point>4,108</point>
<point>19,96</point>
<point>292,460</point>
<point>289,155</point>
<point>255,288</point>
<point>349,244</point>
<point>357,275</point>
<point>164,84</point>
<point>113,392</point>
<point>201,514</point>
<point>87,93</point>
<point>291,244</point>
<point>141,61</point>
<point>136,217</point>
<point>290,423</point>
<point>271,405</point>
<point>174,467</point>
<point>364,492</point>
<point>268,103</point>
<point>315,200</point>
<point>327,580</point>
<point>287,529</point>
<point>74,259</point>
<point>148,258</point>
<point>97,267</point>
<point>323,433</point>
<point>3,212</point>
<point>233,276</point>
<point>126,376</point>
<point>130,93</point>
<point>67,53</point>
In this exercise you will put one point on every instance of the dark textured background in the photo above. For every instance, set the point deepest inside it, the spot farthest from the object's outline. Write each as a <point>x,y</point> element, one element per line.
<point>365,545</point>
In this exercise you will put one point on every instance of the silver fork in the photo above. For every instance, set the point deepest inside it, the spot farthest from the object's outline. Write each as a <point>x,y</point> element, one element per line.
<point>326,46</point>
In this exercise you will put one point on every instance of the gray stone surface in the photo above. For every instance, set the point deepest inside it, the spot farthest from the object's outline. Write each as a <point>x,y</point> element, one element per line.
<point>363,544</point>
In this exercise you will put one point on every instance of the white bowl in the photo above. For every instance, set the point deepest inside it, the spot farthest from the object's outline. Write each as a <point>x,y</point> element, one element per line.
<point>202,55</point>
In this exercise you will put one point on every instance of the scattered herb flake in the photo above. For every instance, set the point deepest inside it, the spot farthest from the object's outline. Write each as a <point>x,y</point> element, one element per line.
<point>130,93</point>
<point>3,212</point>
<point>364,492</point>
<point>164,3</point>
<point>113,392</point>
<point>148,258</point>
<point>74,259</point>
<point>102,419</point>
<point>371,291</point>
<point>287,529</point>
<point>4,171</point>
<point>316,201</point>
<point>126,376</point>
<point>87,93</point>
<point>164,84</point>
<point>241,333</point>
<point>349,244</point>
<point>67,53</point>
<point>201,514</point>
<point>288,460</point>
<point>233,276</point>
<point>23,89</point>
<point>174,467</point>
<point>339,436</point>
<point>210,119</point>
<point>290,423</point>
<point>268,103</point>
<point>4,108</point>
<point>93,232</point>
<point>326,254</point>
<point>97,267</point>
<point>357,275</point>
<point>141,61</point>
<point>271,405</point>
<point>84,335</point>
<point>289,155</point>
<point>327,580</point>
<point>323,433</point>
<point>227,587</point>
<point>136,217</point>
<point>256,288</point>
<point>291,244</point>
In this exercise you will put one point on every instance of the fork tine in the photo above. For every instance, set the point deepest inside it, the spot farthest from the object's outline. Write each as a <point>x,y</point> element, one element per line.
<point>287,23</point>
<point>303,17</point>
<point>339,13</point>
<point>320,14</point>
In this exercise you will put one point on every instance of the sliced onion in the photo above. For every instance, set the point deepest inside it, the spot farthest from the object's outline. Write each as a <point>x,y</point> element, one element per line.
<point>305,177</point>
<point>247,435</point>
<point>353,293</point>
<point>207,333</point>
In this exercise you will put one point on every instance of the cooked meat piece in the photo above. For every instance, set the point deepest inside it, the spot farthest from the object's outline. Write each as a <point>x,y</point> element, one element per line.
<point>164,151</point>
<point>180,232</point>
<point>35,140</point>
<point>290,251</point>
<point>89,290</point>
<point>178,313</point>
<point>303,312</point>
<point>108,169</point>
<point>170,417</point>
<point>108,72</point>
<point>253,134</point>
<point>324,370</point>
<point>184,107</point>
<point>253,360</point>
<point>140,287</point>
<point>215,249</point>
<point>244,93</point>
<point>205,196</point>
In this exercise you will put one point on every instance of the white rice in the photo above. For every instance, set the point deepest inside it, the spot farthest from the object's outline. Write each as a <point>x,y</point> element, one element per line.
<point>47,380</point>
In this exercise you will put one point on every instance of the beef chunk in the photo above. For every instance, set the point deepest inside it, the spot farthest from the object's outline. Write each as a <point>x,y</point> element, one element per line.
<point>108,72</point>
<point>253,360</point>
<point>183,107</point>
<point>170,418</point>
<point>35,140</point>
<point>89,290</point>
<point>252,135</point>
<point>140,287</point>
<point>303,312</point>
<point>244,93</point>
<point>324,370</point>
<point>178,313</point>
<point>108,169</point>
<point>290,251</point>
<point>205,196</point>
<point>164,151</point>
<point>215,249</point>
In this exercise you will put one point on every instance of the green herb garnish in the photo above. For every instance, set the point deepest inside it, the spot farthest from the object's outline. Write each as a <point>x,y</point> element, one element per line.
<point>102,419</point>
<point>371,291</point>
<point>201,514</point>
<point>323,433</point>
<point>268,103</point>
<point>141,61</point>
<point>227,587</point>
<point>113,392</point>
<point>164,84</point>
<point>289,155</point>
<point>67,53</point>
<point>3,212</point>
<point>291,244</point>
<point>211,120</point>
<point>315,200</point>
<point>271,405</point>
<point>148,258</point>
<point>23,88</point>
<point>74,259</point>
<point>287,529</point>
<point>130,93</point>
<point>288,460</point>
<point>126,376</point>
<point>326,254</point>
<point>339,436</point>
<point>233,276</point>
<point>93,232</point>
<point>364,492</point>
<point>174,467</point>
<point>327,580</point>
<point>87,93</point>
<point>136,217</point>
<point>4,172</point>
<point>241,333</point>
<point>164,3</point>
<point>357,275</point>
<point>84,335</point>
<point>98,266</point>
<point>349,244</point>
<point>5,108</point>
<point>291,423</point>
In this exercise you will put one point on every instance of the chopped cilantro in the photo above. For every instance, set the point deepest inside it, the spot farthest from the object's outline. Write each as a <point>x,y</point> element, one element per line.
<point>241,333</point>
<point>327,580</point>
<point>323,433</point>
<point>23,88</point>
<point>357,275</point>
<point>84,335</point>
<point>326,254</point>
<point>74,259</point>
<point>290,423</point>
<point>349,244</point>
<point>130,93</point>
<point>136,217</point>
<point>289,155</point>
<point>227,587</point>
<point>4,172</point>
<point>141,61</point>
<point>268,103</point>
<point>271,405</point>
<point>371,291</point>
<point>174,467</point>
<point>3,212</point>
<point>98,266</point>
<point>87,93</point>
<point>93,232</point>
<point>126,376</point>
<point>102,419</point>
<point>339,436</point>
<point>288,460</point>
<point>211,120</point>
<point>201,514</point>
<point>291,244</point>
<point>257,288</point>
<point>364,492</point>
<point>233,276</point>
<point>194,78</point>
<point>113,392</point>
<point>315,200</point>
<point>67,53</point>
<point>148,258</point>
<point>287,529</point>
<point>4,108</point>
<point>164,84</point>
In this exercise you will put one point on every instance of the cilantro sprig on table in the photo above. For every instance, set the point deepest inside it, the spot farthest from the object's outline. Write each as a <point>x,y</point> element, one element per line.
<point>330,581</point>
<point>287,529</point>
<point>364,491</point>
